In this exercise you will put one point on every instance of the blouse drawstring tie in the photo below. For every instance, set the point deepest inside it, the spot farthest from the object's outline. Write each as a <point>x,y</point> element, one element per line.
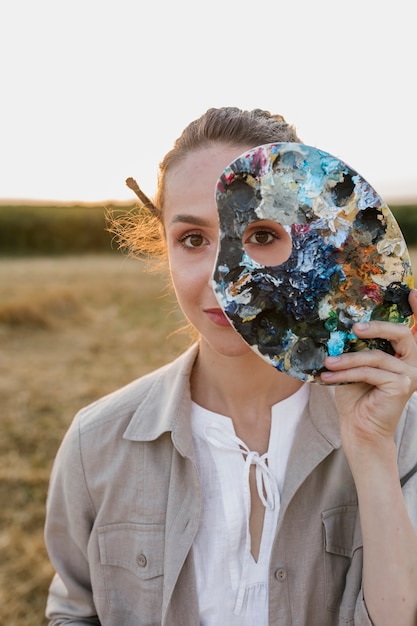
<point>266,485</point>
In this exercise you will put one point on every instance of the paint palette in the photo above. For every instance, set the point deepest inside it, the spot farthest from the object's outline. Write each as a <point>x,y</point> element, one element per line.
<point>307,248</point>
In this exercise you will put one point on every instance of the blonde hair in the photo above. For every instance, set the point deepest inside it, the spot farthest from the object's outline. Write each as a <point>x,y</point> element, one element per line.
<point>141,232</point>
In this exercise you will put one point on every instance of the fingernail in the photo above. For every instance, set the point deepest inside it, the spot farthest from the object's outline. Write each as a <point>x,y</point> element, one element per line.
<point>361,325</point>
<point>332,359</point>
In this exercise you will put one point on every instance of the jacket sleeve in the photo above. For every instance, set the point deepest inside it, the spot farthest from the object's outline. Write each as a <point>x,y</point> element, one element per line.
<point>69,519</point>
<point>407,462</point>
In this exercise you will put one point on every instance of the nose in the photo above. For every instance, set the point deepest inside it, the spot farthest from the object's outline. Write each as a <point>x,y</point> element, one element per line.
<point>212,269</point>
<point>210,280</point>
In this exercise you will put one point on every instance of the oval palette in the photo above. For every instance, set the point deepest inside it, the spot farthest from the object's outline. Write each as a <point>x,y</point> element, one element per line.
<point>307,248</point>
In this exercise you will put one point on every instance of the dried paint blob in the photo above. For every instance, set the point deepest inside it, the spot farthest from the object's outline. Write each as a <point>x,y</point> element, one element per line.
<point>307,248</point>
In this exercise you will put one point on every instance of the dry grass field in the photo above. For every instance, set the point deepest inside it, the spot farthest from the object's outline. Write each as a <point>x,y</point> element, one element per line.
<point>71,330</point>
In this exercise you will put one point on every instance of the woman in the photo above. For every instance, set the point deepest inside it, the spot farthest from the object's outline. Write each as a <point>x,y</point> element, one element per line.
<point>219,491</point>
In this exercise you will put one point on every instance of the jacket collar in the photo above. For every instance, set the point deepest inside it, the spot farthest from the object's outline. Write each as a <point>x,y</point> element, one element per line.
<point>323,414</point>
<point>317,436</point>
<point>166,401</point>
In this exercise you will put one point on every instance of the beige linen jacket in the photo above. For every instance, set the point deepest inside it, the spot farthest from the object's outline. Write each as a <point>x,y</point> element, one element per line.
<point>124,503</point>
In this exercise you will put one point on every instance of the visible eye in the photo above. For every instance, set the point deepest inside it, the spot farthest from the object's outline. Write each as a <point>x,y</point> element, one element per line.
<point>267,242</point>
<point>192,240</point>
<point>262,237</point>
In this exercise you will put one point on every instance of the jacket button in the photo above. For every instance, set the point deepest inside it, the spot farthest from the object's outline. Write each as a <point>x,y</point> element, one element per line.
<point>281,574</point>
<point>141,560</point>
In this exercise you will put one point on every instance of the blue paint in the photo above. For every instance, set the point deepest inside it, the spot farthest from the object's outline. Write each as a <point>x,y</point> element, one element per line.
<point>336,343</point>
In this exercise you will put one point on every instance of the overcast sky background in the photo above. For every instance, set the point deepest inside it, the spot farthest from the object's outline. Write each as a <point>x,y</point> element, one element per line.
<point>94,91</point>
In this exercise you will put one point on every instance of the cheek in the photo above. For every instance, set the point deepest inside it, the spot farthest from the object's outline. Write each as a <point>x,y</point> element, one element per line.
<point>191,269</point>
<point>187,279</point>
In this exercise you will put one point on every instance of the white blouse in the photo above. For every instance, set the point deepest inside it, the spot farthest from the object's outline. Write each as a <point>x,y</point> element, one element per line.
<point>232,587</point>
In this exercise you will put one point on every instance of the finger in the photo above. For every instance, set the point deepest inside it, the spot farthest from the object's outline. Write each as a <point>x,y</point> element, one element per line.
<point>373,359</point>
<point>412,300</point>
<point>357,366</point>
<point>374,367</point>
<point>390,382</point>
<point>399,335</point>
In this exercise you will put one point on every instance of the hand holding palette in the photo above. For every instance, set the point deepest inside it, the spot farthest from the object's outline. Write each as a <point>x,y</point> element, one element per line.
<point>307,248</point>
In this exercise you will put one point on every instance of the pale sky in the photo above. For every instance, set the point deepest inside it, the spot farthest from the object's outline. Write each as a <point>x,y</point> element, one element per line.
<point>94,91</point>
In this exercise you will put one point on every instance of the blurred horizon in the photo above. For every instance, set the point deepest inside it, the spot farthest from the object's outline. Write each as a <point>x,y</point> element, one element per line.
<point>406,199</point>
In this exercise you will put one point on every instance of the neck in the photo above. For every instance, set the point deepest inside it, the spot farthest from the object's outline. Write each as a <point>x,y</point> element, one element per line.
<point>242,387</point>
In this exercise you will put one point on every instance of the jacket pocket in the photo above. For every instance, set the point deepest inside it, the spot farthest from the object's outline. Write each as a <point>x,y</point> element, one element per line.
<point>342,538</point>
<point>132,560</point>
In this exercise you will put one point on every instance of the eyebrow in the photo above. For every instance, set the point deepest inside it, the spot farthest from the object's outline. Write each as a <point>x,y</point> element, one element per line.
<point>189,219</point>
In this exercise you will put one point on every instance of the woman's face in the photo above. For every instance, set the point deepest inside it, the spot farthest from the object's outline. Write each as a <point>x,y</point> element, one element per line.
<point>192,232</point>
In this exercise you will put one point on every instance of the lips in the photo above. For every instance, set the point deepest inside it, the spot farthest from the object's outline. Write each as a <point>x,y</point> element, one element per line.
<point>217,317</point>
